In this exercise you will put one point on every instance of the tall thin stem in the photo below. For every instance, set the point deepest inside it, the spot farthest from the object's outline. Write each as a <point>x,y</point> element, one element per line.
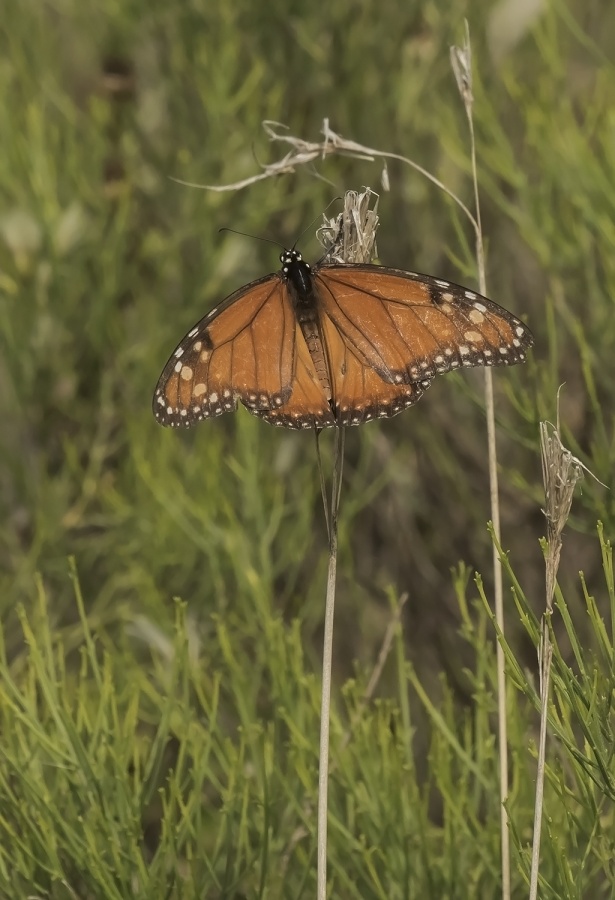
<point>461,60</point>
<point>560,473</point>
<point>327,665</point>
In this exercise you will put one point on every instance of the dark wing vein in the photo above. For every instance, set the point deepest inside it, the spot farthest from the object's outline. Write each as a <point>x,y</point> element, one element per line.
<point>341,322</point>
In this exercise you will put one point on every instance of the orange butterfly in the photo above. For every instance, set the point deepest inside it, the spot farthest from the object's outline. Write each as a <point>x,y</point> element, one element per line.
<point>324,345</point>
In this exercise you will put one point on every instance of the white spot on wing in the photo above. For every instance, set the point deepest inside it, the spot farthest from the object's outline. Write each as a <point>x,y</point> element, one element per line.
<point>473,336</point>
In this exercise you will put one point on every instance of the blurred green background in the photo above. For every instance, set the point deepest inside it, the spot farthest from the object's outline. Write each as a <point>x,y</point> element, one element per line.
<point>105,262</point>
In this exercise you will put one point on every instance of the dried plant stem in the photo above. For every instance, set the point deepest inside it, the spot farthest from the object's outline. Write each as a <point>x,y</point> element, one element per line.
<point>327,665</point>
<point>560,473</point>
<point>325,712</point>
<point>500,659</point>
<point>461,61</point>
<point>545,657</point>
<point>304,152</point>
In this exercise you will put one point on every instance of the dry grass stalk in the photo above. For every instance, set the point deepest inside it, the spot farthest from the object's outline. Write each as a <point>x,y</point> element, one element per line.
<point>561,471</point>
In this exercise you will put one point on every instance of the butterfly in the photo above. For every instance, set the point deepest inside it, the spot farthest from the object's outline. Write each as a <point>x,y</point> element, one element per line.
<point>332,344</point>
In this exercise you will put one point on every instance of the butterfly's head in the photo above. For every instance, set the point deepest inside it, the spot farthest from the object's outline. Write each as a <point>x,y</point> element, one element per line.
<point>289,258</point>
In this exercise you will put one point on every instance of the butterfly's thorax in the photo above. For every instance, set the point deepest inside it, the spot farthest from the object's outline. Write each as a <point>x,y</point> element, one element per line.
<point>300,281</point>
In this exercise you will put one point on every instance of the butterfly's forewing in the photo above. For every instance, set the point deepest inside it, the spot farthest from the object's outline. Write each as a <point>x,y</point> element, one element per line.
<point>410,327</point>
<point>243,350</point>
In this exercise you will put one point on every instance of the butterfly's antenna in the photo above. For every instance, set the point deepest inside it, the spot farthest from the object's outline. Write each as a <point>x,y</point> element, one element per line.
<point>254,237</point>
<point>313,222</point>
<point>257,237</point>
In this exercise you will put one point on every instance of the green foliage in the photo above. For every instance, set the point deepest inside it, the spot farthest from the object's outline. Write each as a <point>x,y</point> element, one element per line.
<point>153,748</point>
<point>578,845</point>
<point>194,773</point>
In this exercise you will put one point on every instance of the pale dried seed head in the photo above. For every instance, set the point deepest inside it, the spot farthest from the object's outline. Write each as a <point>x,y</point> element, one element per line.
<point>561,471</point>
<point>351,236</point>
<point>461,62</point>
